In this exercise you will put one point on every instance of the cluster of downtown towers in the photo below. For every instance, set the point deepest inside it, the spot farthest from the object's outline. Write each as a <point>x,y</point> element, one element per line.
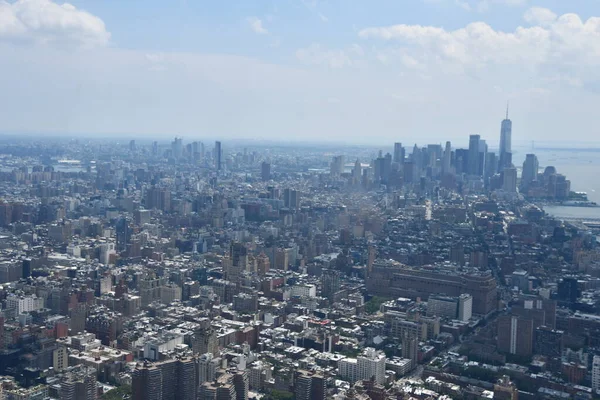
<point>437,162</point>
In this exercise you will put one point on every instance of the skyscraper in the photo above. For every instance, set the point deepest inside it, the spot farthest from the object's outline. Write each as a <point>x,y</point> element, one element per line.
<point>447,159</point>
<point>265,171</point>
<point>510,180</point>
<point>491,164</point>
<point>434,153</point>
<point>218,155</point>
<point>177,148</point>
<point>337,165</point>
<point>530,170</point>
<point>356,172</point>
<point>398,153</point>
<point>461,161</point>
<point>416,157</point>
<point>387,166</point>
<point>505,142</point>
<point>291,198</point>
<point>124,233</point>
<point>378,167</point>
<point>483,153</point>
<point>473,162</point>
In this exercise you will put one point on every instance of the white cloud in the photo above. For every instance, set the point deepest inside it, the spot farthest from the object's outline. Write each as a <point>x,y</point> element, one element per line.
<point>256,25</point>
<point>540,16</point>
<point>564,42</point>
<point>46,22</point>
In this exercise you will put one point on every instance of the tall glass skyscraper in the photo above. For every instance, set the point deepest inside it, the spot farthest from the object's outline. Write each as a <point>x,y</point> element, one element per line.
<point>505,143</point>
<point>473,159</point>
<point>218,155</point>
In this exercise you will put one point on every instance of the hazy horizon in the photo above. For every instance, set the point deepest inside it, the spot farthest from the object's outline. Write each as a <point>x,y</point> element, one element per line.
<point>208,140</point>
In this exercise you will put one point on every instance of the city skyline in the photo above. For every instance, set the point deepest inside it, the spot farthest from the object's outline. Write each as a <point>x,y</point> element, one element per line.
<point>299,199</point>
<point>201,270</point>
<point>301,69</point>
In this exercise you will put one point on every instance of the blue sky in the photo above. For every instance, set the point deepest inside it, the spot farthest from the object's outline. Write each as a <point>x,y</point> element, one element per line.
<point>371,71</point>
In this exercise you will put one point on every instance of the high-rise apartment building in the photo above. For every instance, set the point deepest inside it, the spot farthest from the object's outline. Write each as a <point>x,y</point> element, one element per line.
<point>548,342</point>
<point>515,335</point>
<point>330,280</point>
<point>204,339</point>
<point>369,365</point>
<point>596,373</point>
<point>568,289</point>
<point>263,264</point>
<point>207,367</point>
<point>223,388</point>
<point>123,233</point>
<point>241,384</point>
<point>465,307</point>
<point>79,383</point>
<point>291,198</point>
<point>159,198</point>
<point>172,379</point>
<point>408,333</point>
<point>348,369</point>
<point>147,383</point>
<point>309,385</point>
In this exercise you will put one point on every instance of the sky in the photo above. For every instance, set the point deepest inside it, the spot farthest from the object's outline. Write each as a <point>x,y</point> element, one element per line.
<point>353,71</point>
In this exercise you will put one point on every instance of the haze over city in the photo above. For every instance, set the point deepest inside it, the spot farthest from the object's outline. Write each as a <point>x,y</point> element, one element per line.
<point>358,71</point>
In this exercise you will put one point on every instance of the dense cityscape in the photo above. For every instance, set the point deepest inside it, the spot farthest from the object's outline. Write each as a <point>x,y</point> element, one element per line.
<point>193,271</point>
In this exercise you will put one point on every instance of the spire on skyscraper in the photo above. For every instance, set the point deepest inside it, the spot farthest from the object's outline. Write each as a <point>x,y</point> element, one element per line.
<point>507,110</point>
